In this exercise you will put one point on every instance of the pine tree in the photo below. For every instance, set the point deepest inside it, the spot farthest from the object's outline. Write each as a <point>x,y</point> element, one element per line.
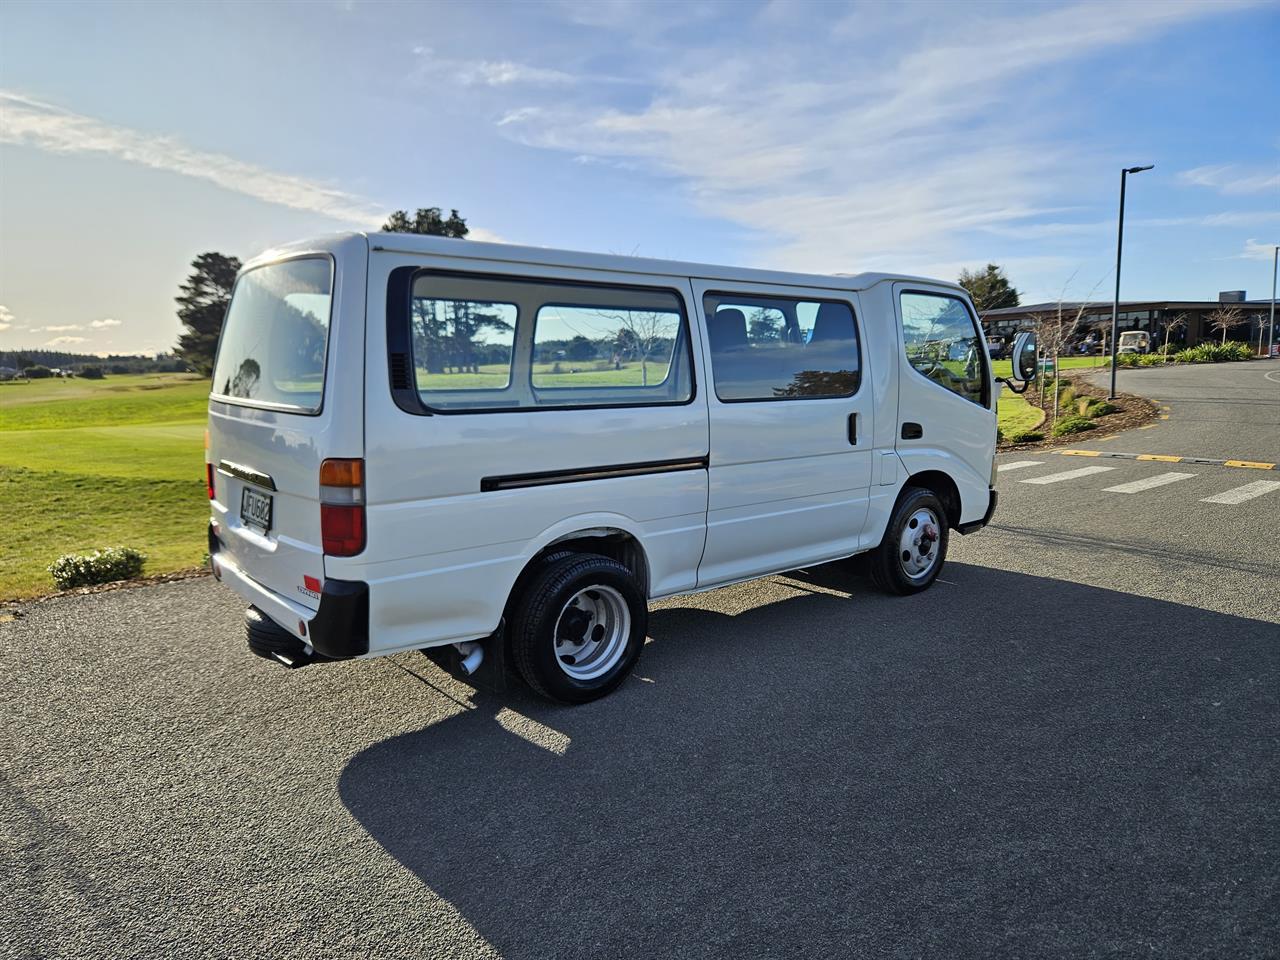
<point>202,306</point>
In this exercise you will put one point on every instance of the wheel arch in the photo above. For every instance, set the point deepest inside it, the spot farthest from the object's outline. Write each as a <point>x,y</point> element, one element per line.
<point>609,537</point>
<point>941,485</point>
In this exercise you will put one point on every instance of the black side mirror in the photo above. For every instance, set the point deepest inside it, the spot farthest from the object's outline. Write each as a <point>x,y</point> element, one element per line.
<point>1023,358</point>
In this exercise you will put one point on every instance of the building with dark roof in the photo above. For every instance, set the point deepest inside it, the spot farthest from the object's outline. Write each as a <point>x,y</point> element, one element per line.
<point>1153,316</point>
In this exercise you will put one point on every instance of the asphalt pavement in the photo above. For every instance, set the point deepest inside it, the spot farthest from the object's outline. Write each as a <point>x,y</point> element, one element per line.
<point>1066,748</point>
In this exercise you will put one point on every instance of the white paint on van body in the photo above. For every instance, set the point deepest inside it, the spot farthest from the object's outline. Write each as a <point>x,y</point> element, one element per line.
<point>784,487</point>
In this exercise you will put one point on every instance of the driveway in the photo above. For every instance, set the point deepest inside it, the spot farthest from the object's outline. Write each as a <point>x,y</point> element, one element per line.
<point>1067,748</point>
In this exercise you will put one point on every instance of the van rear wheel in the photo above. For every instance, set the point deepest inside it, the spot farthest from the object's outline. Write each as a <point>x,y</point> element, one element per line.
<point>578,627</point>
<point>914,547</point>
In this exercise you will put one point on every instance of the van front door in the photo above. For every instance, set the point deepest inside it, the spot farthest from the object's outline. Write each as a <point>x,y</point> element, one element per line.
<point>790,422</point>
<point>946,403</point>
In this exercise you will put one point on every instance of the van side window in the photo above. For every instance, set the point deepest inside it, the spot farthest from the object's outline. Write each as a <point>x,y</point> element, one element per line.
<point>771,348</point>
<point>943,343</point>
<point>483,343</point>
<point>602,354</point>
<point>462,344</point>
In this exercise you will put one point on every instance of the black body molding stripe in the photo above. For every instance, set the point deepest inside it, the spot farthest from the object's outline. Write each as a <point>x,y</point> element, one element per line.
<point>514,481</point>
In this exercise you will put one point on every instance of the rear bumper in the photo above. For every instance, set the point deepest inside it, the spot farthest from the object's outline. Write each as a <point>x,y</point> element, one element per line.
<point>337,629</point>
<point>976,525</point>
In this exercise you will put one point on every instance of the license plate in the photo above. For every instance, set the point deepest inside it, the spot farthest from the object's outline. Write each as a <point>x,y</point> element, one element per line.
<point>255,509</point>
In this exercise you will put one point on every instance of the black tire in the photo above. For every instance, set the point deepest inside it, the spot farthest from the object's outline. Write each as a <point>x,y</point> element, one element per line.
<point>537,610</point>
<point>886,563</point>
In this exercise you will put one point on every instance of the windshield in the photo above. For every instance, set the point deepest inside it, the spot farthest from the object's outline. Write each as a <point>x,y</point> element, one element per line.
<point>272,348</point>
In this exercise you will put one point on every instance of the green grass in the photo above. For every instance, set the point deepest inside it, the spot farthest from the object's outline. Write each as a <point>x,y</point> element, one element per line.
<point>143,398</point>
<point>1004,368</point>
<point>1015,415</point>
<point>590,373</point>
<point>97,463</point>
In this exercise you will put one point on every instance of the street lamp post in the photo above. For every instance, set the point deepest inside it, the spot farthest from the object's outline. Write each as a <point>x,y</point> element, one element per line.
<point>1271,334</point>
<point>1115,304</point>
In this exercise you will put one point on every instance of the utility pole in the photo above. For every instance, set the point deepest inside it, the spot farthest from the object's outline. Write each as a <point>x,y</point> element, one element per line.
<point>1115,304</point>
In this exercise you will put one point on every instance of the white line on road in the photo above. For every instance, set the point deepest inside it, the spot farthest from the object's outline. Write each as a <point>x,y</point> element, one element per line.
<point>1247,492</point>
<point>1159,480</point>
<point>1068,475</point>
<point>1019,464</point>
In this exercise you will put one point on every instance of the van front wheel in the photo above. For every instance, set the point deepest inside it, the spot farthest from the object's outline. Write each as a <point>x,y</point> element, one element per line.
<point>914,547</point>
<point>578,627</point>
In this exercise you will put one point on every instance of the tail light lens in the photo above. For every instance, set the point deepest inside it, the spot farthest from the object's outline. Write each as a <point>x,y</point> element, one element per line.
<point>342,528</point>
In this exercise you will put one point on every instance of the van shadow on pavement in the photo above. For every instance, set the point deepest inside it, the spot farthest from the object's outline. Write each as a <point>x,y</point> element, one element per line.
<point>833,775</point>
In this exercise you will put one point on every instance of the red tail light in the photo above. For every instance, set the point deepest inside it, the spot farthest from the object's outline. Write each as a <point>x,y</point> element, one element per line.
<point>342,530</point>
<point>208,479</point>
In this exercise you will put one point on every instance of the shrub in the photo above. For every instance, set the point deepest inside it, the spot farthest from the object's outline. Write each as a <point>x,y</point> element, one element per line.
<point>1026,436</point>
<point>91,373</point>
<point>1214,353</point>
<point>101,566</point>
<point>1067,396</point>
<point>1127,360</point>
<point>119,369</point>
<point>1069,425</point>
<point>1151,360</point>
<point>1100,408</point>
<point>37,372</point>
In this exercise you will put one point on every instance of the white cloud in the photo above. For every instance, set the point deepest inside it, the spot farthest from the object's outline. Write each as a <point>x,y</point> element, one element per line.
<point>65,341</point>
<point>1253,250</point>
<point>1232,179</point>
<point>7,320</point>
<point>60,328</point>
<point>102,324</point>
<point>33,123</point>
<point>884,160</point>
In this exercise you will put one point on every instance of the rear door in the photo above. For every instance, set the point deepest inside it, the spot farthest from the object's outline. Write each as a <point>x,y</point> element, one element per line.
<point>791,427</point>
<point>286,395</point>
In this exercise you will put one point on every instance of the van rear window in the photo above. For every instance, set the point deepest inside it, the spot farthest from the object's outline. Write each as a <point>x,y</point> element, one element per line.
<point>272,349</point>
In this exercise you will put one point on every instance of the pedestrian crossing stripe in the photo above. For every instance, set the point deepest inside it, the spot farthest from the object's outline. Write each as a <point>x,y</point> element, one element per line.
<point>1068,475</point>
<point>1247,492</point>
<point>1149,483</point>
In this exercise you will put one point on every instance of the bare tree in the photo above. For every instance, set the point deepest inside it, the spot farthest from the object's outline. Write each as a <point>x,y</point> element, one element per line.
<point>1177,323</point>
<point>1226,317</point>
<point>1056,327</point>
<point>640,332</point>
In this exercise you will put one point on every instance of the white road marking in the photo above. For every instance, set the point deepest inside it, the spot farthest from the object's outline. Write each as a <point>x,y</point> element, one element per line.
<point>1068,475</point>
<point>1018,465</point>
<point>1159,480</point>
<point>1247,492</point>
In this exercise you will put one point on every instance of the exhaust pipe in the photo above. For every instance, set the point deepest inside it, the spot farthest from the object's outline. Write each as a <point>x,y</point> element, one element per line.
<point>472,654</point>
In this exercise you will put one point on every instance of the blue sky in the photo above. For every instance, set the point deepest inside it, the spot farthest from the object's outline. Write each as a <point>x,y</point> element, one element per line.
<point>919,137</point>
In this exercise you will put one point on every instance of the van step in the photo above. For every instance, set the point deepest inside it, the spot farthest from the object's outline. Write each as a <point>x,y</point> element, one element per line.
<point>269,640</point>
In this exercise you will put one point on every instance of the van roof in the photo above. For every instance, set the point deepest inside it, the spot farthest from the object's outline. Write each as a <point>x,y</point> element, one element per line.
<point>546,256</point>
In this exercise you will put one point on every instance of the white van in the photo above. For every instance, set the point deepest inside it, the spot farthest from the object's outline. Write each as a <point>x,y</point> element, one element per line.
<point>418,442</point>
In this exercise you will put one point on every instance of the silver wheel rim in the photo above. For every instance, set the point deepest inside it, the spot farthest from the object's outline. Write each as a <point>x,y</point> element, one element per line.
<point>918,546</point>
<point>592,632</point>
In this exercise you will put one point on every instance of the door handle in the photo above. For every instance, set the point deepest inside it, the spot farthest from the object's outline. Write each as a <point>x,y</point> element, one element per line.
<point>912,431</point>
<point>853,429</point>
